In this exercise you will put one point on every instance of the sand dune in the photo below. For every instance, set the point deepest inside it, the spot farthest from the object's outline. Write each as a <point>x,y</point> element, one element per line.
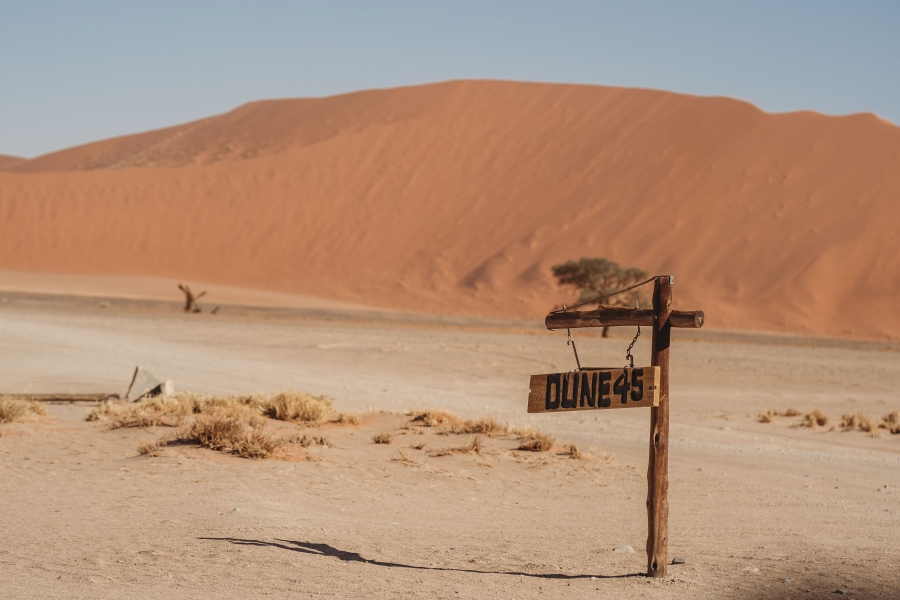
<point>7,161</point>
<point>457,198</point>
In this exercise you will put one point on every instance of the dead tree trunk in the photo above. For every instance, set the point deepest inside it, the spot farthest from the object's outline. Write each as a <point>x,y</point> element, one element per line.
<point>190,300</point>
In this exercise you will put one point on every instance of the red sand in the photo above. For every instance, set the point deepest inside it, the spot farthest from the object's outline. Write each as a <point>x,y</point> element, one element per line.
<point>458,197</point>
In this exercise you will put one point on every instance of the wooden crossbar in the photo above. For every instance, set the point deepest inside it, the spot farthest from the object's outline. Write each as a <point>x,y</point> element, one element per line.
<point>615,316</point>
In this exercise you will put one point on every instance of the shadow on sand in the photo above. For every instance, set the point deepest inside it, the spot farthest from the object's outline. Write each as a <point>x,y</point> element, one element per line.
<point>326,550</point>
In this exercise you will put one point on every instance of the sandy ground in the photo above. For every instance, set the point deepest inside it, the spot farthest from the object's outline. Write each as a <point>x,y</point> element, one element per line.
<point>758,510</point>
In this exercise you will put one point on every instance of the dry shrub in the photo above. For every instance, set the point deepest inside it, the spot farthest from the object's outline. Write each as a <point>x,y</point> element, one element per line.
<point>532,439</point>
<point>858,421</point>
<point>891,422</point>
<point>767,416</point>
<point>382,438</point>
<point>816,417</point>
<point>306,441</point>
<point>574,452</point>
<point>474,446</point>
<point>151,448</point>
<point>230,434</point>
<point>435,417</point>
<point>487,426</point>
<point>540,442</point>
<point>16,409</point>
<point>403,458</point>
<point>297,406</point>
<point>104,411</point>
<point>347,419</point>
<point>147,412</point>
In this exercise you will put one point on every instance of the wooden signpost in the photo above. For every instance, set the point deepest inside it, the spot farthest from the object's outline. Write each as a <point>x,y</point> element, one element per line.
<point>601,389</point>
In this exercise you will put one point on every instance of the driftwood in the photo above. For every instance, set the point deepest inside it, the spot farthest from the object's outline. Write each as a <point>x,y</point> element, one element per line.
<point>190,300</point>
<point>65,397</point>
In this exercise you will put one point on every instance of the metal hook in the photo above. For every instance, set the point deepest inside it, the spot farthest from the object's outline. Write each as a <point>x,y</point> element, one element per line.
<point>571,342</point>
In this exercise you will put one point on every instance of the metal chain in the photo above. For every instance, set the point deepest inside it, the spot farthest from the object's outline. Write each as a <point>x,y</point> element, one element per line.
<point>628,355</point>
<point>571,342</point>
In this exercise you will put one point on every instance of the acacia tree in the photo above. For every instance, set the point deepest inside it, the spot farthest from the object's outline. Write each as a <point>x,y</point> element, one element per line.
<point>594,278</point>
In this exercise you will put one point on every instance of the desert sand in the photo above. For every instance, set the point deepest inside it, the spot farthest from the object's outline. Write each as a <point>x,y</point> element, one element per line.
<point>456,198</point>
<point>758,510</point>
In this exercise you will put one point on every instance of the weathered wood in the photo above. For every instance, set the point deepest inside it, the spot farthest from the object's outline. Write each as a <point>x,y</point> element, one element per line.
<point>65,397</point>
<point>615,316</point>
<point>658,468</point>
<point>594,389</point>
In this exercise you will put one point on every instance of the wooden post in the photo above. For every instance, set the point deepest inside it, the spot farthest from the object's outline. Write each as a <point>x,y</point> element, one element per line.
<point>658,469</point>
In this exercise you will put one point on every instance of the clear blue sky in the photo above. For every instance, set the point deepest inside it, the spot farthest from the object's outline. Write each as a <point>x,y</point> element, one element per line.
<point>76,71</point>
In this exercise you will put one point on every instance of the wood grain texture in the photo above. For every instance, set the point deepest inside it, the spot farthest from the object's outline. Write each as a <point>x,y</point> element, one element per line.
<point>658,468</point>
<point>615,316</point>
<point>594,389</point>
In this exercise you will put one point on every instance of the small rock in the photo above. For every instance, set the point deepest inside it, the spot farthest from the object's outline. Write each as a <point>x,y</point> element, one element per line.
<point>626,549</point>
<point>840,591</point>
<point>677,561</point>
<point>144,383</point>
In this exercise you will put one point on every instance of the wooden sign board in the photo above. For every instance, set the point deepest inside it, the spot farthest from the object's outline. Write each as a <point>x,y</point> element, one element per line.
<point>593,389</point>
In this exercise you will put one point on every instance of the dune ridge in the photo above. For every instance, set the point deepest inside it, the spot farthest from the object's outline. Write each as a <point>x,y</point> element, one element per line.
<point>457,197</point>
<point>7,161</point>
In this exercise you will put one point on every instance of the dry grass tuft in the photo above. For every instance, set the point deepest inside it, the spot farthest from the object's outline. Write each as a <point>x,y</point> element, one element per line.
<point>815,418</point>
<point>16,409</point>
<point>231,435</point>
<point>891,422</point>
<point>306,441</point>
<point>403,458</point>
<point>769,415</point>
<point>475,446</point>
<point>104,411</point>
<point>539,443</point>
<point>347,419</point>
<point>148,412</point>
<point>486,426</point>
<point>297,406</point>
<point>533,440</point>
<point>151,448</point>
<point>858,421</point>
<point>382,438</point>
<point>574,452</point>
<point>435,417</point>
